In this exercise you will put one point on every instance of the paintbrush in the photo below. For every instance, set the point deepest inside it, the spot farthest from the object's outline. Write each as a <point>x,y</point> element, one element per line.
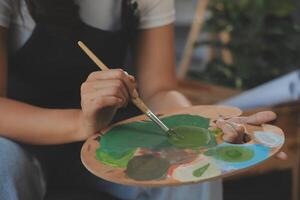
<point>136,100</point>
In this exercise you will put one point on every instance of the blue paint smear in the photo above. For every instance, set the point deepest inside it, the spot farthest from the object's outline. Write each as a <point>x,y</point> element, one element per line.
<point>261,153</point>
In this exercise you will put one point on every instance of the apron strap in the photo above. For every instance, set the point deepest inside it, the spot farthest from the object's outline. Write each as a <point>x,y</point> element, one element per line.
<point>62,17</point>
<point>130,19</point>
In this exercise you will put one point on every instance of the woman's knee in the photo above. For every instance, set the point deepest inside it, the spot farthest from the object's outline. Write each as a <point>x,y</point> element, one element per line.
<point>20,172</point>
<point>13,157</point>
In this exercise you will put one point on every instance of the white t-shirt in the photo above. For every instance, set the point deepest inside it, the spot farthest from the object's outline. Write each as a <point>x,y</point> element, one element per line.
<point>102,14</point>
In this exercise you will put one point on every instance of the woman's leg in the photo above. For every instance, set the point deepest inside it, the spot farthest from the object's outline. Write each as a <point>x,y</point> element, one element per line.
<point>21,177</point>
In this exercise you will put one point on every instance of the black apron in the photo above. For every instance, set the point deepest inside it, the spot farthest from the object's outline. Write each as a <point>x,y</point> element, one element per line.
<point>48,71</point>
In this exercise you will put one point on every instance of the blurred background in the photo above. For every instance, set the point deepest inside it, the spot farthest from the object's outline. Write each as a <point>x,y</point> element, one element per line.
<point>246,53</point>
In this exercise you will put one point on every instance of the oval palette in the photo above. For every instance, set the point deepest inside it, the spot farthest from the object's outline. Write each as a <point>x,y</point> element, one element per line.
<point>137,152</point>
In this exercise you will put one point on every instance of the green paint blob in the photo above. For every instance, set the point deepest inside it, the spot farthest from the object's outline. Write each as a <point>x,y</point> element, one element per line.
<point>199,172</point>
<point>191,137</point>
<point>125,137</point>
<point>234,153</point>
<point>217,132</point>
<point>115,160</point>
<point>147,167</point>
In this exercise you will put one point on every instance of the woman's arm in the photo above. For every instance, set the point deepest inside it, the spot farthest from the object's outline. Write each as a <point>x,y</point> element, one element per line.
<point>101,95</point>
<point>155,62</point>
<point>31,124</point>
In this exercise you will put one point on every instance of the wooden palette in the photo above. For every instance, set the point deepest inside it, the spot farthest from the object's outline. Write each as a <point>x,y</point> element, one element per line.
<point>133,152</point>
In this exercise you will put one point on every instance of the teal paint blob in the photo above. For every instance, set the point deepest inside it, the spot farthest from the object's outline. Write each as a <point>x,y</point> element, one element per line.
<point>234,153</point>
<point>146,134</point>
<point>199,172</point>
<point>238,156</point>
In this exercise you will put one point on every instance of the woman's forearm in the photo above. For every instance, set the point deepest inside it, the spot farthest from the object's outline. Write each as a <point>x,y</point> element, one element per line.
<point>34,125</point>
<point>29,124</point>
<point>155,63</point>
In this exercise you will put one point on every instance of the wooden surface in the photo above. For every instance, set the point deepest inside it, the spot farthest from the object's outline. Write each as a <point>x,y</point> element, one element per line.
<point>200,93</point>
<point>117,175</point>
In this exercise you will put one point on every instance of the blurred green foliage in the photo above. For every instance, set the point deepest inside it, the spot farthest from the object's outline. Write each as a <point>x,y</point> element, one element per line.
<point>265,41</point>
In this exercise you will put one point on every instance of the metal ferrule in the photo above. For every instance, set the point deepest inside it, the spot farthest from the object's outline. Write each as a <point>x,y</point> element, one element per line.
<point>157,121</point>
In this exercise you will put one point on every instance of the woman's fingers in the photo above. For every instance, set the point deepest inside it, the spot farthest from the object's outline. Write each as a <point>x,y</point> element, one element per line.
<point>261,117</point>
<point>108,101</point>
<point>91,106</point>
<point>230,134</point>
<point>238,120</point>
<point>233,133</point>
<point>101,95</point>
<point>91,97</point>
<point>255,119</point>
<point>130,77</point>
<point>240,131</point>
<point>282,156</point>
<point>115,74</point>
<point>116,86</point>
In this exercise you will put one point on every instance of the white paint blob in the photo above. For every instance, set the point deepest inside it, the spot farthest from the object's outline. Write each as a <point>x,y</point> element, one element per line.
<point>268,139</point>
<point>184,173</point>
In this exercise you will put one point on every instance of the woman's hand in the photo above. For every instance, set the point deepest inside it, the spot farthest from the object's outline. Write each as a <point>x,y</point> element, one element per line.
<point>234,132</point>
<point>102,94</point>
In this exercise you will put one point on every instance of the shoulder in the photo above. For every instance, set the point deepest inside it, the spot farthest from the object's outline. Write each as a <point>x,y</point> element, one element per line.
<point>155,13</point>
<point>7,8</point>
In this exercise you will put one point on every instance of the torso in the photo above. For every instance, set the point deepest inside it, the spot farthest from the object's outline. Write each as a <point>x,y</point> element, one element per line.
<point>104,15</point>
<point>101,14</point>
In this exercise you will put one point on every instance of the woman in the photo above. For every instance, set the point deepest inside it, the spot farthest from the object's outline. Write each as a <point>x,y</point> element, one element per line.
<point>53,97</point>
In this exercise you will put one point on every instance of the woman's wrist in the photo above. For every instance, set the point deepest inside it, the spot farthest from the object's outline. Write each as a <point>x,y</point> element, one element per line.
<point>82,127</point>
<point>79,133</point>
<point>70,124</point>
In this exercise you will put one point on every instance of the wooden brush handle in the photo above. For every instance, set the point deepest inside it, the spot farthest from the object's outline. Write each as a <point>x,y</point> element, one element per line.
<point>140,104</point>
<point>92,56</point>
